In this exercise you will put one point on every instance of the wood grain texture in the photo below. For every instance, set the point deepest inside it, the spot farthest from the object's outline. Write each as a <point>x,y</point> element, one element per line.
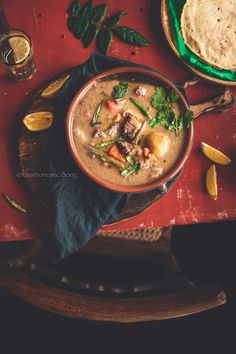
<point>148,308</point>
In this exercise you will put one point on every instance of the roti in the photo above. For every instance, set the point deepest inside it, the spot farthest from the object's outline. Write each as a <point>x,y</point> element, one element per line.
<point>209,30</point>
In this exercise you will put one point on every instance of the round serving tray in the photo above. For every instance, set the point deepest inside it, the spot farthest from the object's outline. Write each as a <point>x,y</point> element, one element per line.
<point>170,36</point>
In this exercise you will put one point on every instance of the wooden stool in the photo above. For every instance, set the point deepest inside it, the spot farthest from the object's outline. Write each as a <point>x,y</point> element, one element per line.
<point>129,276</point>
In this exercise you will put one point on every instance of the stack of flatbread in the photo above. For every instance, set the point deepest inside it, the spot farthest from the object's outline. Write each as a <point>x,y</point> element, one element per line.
<point>209,30</point>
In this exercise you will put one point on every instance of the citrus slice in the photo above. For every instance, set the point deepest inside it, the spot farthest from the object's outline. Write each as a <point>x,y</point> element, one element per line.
<point>52,89</point>
<point>215,155</point>
<point>38,121</point>
<point>20,47</point>
<point>211,182</point>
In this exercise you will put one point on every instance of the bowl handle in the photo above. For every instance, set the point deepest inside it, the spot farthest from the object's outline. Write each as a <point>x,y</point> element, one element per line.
<point>217,103</point>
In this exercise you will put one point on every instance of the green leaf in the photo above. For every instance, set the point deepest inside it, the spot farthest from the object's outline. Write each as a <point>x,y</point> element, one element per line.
<point>104,38</point>
<point>130,36</point>
<point>74,8</point>
<point>73,13</point>
<point>141,108</point>
<point>130,170</point>
<point>82,22</point>
<point>159,99</point>
<point>98,13</point>
<point>115,19</point>
<point>173,96</point>
<point>89,35</point>
<point>14,204</point>
<point>96,114</point>
<point>120,90</point>
<point>176,124</point>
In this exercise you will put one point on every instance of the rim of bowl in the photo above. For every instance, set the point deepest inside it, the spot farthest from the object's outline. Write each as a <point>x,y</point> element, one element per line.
<point>70,140</point>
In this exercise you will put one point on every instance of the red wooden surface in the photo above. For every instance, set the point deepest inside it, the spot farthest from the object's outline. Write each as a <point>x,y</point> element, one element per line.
<point>56,50</point>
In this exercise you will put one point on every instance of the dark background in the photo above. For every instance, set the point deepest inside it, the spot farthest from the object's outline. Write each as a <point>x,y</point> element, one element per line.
<point>205,253</point>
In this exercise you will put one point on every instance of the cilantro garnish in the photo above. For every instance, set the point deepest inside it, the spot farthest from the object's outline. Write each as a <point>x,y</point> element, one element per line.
<point>120,90</point>
<point>162,101</point>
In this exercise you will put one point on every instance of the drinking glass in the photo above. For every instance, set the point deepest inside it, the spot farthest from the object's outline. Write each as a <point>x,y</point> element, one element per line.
<point>16,54</point>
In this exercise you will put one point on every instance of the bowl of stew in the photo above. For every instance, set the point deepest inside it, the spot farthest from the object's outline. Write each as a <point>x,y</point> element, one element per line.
<point>130,129</point>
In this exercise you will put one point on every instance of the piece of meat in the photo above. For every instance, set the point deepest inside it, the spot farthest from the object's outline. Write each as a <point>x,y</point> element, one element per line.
<point>124,147</point>
<point>131,127</point>
<point>112,131</point>
<point>141,91</point>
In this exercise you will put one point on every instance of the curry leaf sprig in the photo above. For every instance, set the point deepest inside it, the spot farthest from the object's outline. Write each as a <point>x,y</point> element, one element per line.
<point>120,90</point>
<point>86,22</point>
<point>162,100</point>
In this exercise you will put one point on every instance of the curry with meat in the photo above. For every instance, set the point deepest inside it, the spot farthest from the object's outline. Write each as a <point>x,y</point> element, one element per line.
<point>130,132</point>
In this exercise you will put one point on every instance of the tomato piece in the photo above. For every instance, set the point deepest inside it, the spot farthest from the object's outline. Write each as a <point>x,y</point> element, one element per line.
<point>113,105</point>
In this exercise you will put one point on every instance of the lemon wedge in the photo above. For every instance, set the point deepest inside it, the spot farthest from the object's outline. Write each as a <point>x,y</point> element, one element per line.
<point>20,47</point>
<point>52,89</point>
<point>211,182</point>
<point>215,155</point>
<point>38,121</point>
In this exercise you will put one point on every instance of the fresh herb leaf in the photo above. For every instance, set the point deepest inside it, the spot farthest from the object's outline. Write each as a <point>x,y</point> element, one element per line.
<point>115,19</point>
<point>73,12</point>
<point>120,90</point>
<point>130,36</point>
<point>98,13</point>
<point>104,38</point>
<point>86,21</point>
<point>176,124</point>
<point>74,8</point>
<point>130,170</point>
<point>89,35</point>
<point>108,142</point>
<point>173,96</point>
<point>162,101</point>
<point>96,114</point>
<point>83,20</point>
<point>159,99</point>
<point>141,108</point>
<point>14,204</point>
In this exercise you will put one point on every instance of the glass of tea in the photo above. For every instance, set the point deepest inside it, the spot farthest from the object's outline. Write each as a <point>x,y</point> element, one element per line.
<point>16,54</point>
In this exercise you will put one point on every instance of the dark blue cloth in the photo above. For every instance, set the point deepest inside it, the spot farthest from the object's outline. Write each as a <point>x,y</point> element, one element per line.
<point>81,207</point>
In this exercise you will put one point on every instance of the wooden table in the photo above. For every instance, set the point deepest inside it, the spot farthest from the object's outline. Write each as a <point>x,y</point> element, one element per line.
<point>56,50</point>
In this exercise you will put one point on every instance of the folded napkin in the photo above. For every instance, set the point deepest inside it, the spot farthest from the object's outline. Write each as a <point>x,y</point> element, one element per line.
<point>81,207</point>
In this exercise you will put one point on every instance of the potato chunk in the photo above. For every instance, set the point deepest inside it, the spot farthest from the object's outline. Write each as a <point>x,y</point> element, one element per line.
<point>158,143</point>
